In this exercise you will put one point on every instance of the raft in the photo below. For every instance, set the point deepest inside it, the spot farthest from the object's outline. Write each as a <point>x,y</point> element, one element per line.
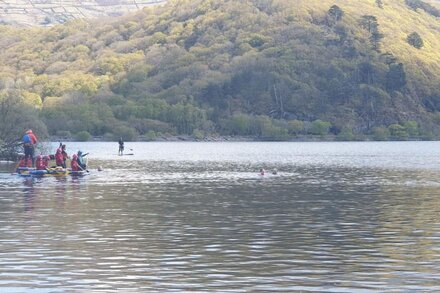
<point>49,172</point>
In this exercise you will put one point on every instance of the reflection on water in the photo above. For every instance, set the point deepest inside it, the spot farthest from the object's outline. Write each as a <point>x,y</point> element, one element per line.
<point>158,224</point>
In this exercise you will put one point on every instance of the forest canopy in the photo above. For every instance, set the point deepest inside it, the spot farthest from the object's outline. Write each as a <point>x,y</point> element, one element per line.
<point>271,69</point>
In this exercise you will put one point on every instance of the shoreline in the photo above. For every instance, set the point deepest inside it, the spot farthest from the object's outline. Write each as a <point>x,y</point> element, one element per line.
<point>189,138</point>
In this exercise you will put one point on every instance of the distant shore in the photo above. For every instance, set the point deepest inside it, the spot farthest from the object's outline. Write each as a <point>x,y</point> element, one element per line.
<point>189,138</point>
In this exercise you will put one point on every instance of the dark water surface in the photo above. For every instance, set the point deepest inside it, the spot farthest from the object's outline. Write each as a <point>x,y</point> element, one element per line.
<point>186,217</point>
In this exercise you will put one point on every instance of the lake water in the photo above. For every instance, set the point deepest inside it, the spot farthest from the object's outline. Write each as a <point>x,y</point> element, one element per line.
<point>186,217</point>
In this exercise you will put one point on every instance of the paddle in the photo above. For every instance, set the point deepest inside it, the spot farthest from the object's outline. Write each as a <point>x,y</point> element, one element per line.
<point>83,169</point>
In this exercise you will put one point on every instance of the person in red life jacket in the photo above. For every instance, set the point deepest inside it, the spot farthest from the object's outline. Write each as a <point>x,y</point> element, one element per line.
<point>65,155</point>
<point>46,160</point>
<point>22,162</point>
<point>61,156</point>
<point>74,163</point>
<point>29,142</point>
<point>39,163</point>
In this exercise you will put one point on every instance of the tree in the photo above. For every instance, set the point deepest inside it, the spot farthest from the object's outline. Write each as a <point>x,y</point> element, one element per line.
<point>412,127</point>
<point>335,14</point>
<point>398,132</point>
<point>381,133</point>
<point>415,40</point>
<point>369,22</point>
<point>395,77</point>
<point>346,134</point>
<point>16,117</point>
<point>296,127</point>
<point>379,4</point>
<point>320,127</point>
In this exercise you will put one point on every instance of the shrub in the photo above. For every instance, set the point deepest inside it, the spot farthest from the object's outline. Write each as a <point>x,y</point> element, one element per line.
<point>415,40</point>
<point>240,124</point>
<point>398,132</point>
<point>197,134</point>
<point>320,127</point>
<point>296,127</point>
<point>151,135</point>
<point>107,137</point>
<point>127,133</point>
<point>64,134</point>
<point>83,136</point>
<point>412,127</point>
<point>381,133</point>
<point>345,135</point>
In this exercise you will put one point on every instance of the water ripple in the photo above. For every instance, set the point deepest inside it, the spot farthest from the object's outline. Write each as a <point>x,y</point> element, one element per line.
<point>185,225</point>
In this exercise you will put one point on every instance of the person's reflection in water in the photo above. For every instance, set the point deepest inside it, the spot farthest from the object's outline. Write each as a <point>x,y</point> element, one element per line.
<point>60,191</point>
<point>29,194</point>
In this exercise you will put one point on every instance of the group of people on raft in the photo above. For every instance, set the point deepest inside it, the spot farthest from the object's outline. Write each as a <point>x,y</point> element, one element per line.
<point>77,162</point>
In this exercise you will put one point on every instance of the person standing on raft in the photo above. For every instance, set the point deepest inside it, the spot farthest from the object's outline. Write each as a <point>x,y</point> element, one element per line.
<point>61,156</point>
<point>121,146</point>
<point>29,142</point>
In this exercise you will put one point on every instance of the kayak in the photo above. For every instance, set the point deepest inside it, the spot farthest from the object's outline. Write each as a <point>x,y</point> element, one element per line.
<point>49,172</point>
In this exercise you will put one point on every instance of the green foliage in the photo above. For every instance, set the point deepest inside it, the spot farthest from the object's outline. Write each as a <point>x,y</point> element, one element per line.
<point>412,127</point>
<point>65,134</point>
<point>418,4</point>
<point>151,135</point>
<point>241,124</point>
<point>346,134</point>
<point>16,116</point>
<point>398,132</point>
<point>379,4</point>
<point>83,136</point>
<point>381,133</point>
<point>395,77</point>
<point>296,127</point>
<point>197,134</point>
<point>370,23</point>
<point>415,40</point>
<point>267,69</point>
<point>127,133</point>
<point>320,127</point>
<point>335,14</point>
<point>256,41</point>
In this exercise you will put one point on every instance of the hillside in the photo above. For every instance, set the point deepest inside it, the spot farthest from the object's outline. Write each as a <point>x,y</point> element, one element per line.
<point>269,69</point>
<point>49,12</point>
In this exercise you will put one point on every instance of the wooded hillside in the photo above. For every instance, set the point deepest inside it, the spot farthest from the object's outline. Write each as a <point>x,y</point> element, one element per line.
<point>271,69</point>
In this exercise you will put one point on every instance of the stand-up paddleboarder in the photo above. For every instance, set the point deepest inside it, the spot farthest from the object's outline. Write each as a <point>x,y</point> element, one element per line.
<point>121,147</point>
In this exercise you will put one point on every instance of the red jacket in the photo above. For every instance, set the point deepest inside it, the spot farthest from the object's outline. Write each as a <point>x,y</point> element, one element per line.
<point>33,138</point>
<point>22,163</point>
<point>59,158</point>
<point>74,165</point>
<point>39,164</point>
